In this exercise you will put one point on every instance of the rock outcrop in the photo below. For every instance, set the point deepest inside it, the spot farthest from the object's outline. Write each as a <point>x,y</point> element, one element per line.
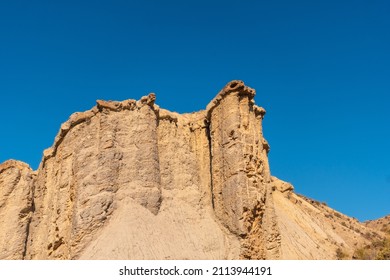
<point>129,180</point>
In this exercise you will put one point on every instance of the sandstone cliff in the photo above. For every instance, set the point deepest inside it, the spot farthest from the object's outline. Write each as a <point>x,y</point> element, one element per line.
<point>16,208</point>
<point>129,180</point>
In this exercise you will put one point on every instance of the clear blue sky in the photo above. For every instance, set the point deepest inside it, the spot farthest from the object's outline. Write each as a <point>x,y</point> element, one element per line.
<point>321,69</point>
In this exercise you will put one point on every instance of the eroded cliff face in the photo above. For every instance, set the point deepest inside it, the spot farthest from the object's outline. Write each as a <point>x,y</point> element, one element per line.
<point>129,180</point>
<point>16,207</point>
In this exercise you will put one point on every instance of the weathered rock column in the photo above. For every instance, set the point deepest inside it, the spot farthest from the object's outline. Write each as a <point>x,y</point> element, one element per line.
<point>238,166</point>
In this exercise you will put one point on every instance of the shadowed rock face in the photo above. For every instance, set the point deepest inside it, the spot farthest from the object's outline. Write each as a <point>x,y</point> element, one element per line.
<point>129,180</point>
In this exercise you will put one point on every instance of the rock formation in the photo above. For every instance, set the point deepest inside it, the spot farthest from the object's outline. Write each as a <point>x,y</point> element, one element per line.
<point>16,208</point>
<point>129,180</point>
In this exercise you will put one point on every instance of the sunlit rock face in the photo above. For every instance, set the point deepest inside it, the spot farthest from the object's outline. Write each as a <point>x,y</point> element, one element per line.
<point>129,180</point>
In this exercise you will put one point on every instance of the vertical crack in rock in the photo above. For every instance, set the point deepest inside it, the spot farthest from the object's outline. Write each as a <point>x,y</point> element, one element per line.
<point>31,211</point>
<point>208,132</point>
